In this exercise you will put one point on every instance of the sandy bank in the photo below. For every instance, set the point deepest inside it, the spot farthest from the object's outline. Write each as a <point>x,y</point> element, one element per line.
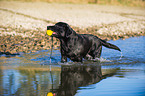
<point>23,24</point>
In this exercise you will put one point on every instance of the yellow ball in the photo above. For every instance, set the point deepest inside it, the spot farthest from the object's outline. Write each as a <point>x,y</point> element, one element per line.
<point>49,94</point>
<point>49,32</point>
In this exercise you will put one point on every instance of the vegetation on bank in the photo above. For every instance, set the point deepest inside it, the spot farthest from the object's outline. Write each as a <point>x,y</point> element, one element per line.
<point>133,3</point>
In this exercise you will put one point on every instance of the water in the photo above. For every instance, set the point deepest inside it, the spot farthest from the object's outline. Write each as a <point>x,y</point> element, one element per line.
<point>115,75</point>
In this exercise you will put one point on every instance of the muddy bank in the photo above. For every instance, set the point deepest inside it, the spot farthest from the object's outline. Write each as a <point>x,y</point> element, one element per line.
<point>16,42</point>
<point>13,44</point>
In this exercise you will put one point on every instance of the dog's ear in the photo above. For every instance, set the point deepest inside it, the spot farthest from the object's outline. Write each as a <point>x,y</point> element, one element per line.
<point>68,31</point>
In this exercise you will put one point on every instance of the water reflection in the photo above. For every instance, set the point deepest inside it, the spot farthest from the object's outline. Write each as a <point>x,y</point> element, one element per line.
<point>64,80</point>
<point>72,77</point>
<point>27,82</point>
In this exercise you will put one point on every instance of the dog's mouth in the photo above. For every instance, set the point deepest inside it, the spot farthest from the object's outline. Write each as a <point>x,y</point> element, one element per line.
<point>54,33</point>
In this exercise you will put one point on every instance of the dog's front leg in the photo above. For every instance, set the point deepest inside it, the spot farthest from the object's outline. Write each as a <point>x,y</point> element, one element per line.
<point>63,55</point>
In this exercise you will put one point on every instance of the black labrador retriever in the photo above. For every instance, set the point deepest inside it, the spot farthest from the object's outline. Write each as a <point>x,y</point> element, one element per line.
<point>77,46</point>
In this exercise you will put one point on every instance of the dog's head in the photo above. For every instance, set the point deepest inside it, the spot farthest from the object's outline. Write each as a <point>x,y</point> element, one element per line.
<point>59,30</point>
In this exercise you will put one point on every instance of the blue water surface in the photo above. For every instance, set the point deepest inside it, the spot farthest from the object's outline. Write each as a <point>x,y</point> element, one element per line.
<point>116,74</point>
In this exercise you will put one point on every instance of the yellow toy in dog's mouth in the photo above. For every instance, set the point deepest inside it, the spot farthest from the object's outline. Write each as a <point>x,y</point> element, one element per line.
<point>49,32</point>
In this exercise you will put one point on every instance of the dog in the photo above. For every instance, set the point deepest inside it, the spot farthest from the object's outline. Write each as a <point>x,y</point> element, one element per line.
<point>78,46</point>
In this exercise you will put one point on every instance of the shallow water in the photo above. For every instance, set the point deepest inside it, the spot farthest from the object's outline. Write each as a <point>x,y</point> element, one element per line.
<point>33,75</point>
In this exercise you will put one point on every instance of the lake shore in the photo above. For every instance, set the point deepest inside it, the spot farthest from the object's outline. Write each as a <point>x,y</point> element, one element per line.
<point>23,24</point>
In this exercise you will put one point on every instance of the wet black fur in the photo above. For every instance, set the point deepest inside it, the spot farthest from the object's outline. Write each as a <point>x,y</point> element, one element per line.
<point>78,46</point>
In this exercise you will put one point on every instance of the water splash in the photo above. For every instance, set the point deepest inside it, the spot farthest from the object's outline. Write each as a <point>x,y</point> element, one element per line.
<point>51,49</point>
<point>121,56</point>
<point>66,63</point>
<point>101,59</point>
